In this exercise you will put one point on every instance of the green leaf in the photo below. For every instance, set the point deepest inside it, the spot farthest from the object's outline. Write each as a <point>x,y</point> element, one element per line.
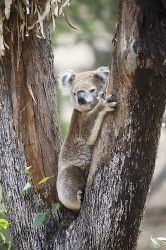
<point>22,194</point>
<point>27,170</point>
<point>155,243</point>
<point>3,237</point>
<point>27,186</point>
<point>38,220</point>
<point>45,179</point>
<point>3,224</point>
<point>55,208</point>
<point>9,246</point>
<point>2,211</point>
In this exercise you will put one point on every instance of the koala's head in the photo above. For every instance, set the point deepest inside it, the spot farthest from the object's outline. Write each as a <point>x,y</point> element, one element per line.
<point>83,88</point>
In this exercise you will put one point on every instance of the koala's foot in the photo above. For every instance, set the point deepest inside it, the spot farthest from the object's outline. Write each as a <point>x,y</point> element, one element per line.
<point>80,196</point>
<point>71,183</point>
<point>110,102</point>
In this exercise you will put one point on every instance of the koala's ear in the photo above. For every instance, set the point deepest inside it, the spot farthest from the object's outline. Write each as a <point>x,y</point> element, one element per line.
<point>102,73</point>
<point>65,81</point>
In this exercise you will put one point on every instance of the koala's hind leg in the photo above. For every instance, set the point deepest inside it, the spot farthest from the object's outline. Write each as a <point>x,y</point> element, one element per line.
<point>71,184</point>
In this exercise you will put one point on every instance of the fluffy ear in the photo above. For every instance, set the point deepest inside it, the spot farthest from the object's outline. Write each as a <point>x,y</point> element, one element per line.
<point>65,81</point>
<point>102,73</point>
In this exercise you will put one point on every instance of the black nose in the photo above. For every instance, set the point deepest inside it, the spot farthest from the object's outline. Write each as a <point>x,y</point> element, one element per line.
<point>81,97</point>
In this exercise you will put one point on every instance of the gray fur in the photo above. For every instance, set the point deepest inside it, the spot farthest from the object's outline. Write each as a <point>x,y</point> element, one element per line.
<point>86,121</point>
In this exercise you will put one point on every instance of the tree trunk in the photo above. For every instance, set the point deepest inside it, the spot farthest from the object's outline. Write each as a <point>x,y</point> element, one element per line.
<point>124,155</point>
<point>29,132</point>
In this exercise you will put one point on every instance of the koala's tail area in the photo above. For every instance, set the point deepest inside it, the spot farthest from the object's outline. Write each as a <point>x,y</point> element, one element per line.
<point>71,184</point>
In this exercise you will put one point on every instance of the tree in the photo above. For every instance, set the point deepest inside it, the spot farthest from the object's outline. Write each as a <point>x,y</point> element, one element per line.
<point>125,154</point>
<point>29,121</point>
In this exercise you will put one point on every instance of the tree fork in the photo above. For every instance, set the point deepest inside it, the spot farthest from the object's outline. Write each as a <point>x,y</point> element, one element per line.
<point>114,201</point>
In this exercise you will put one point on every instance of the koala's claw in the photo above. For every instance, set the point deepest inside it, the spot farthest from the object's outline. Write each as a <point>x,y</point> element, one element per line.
<point>101,95</point>
<point>111,102</point>
<point>111,98</point>
<point>80,195</point>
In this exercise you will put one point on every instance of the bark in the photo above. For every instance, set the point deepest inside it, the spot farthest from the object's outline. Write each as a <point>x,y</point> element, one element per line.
<point>30,74</point>
<point>29,132</point>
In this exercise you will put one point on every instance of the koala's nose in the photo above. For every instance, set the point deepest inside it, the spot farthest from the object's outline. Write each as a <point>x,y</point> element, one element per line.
<point>81,97</point>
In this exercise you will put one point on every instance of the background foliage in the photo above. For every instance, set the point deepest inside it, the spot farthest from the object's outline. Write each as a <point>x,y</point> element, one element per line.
<point>92,19</point>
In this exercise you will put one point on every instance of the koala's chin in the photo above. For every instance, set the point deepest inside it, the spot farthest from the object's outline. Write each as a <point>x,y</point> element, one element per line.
<point>89,105</point>
<point>85,107</point>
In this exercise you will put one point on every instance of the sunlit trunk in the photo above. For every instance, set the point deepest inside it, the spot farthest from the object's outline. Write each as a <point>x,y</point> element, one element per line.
<point>29,132</point>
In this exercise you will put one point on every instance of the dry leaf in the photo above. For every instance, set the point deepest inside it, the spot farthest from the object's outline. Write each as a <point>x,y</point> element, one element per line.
<point>7,8</point>
<point>45,13</point>
<point>2,48</point>
<point>66,17</point>
<point>31,92</point>
<point>41,25</point>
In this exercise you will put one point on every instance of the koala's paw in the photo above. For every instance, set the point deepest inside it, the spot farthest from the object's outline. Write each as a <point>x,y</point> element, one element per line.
<point>101,98</point>
<point>80,196</point>
<point>111,102</point>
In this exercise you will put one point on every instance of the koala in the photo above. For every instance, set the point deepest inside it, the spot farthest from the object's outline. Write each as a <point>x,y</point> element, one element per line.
<point>86,92</point>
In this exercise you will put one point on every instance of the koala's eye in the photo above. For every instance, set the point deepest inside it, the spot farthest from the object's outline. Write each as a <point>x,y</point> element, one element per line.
<point>74,93</point>
<point>92,90</point>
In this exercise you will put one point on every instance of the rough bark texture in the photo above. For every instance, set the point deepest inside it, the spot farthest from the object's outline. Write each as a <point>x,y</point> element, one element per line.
<point>29,132</point>
<point>28,66</point>
<point>125,155</point>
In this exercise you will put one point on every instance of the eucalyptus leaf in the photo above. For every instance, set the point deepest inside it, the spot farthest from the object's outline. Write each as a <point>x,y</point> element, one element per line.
<point>9,245</point>
<point>27,186</point>
<point>22,194</point>
<point>3,224</point>
<point>55,208</point>
<point>38,220</point>
<point>3,237</point>
<point>27,170</point>
<point>44,180</point>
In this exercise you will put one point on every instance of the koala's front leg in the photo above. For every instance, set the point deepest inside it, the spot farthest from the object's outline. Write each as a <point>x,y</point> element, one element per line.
<point>104,105</point>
